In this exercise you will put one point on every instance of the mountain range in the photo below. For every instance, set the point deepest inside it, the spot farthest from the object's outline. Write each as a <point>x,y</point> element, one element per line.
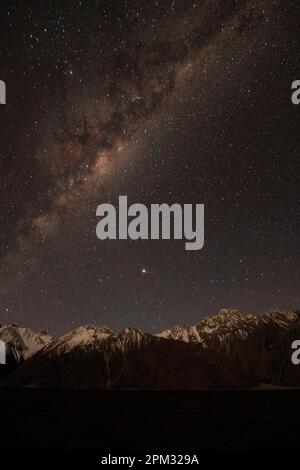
<point>230,350</point>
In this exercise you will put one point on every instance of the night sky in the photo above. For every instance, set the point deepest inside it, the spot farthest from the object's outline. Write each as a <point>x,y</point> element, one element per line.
<point>163,101</point>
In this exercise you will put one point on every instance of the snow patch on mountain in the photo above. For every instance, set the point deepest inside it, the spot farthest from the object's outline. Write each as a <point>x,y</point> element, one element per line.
<point>25,339</point>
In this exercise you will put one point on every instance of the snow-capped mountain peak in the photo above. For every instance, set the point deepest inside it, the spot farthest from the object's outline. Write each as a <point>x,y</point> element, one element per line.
<point>25,339</point>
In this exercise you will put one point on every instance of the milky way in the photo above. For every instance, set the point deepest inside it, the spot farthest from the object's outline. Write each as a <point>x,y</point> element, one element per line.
<point>178,101</point>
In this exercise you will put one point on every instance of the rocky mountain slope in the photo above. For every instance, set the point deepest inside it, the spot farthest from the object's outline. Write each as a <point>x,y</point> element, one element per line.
<point>230,350</point>
<point>25,340</point>
<point>20,343</point>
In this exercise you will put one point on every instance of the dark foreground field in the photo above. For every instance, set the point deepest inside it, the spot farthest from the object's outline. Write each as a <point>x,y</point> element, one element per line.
<point>71,420</point>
